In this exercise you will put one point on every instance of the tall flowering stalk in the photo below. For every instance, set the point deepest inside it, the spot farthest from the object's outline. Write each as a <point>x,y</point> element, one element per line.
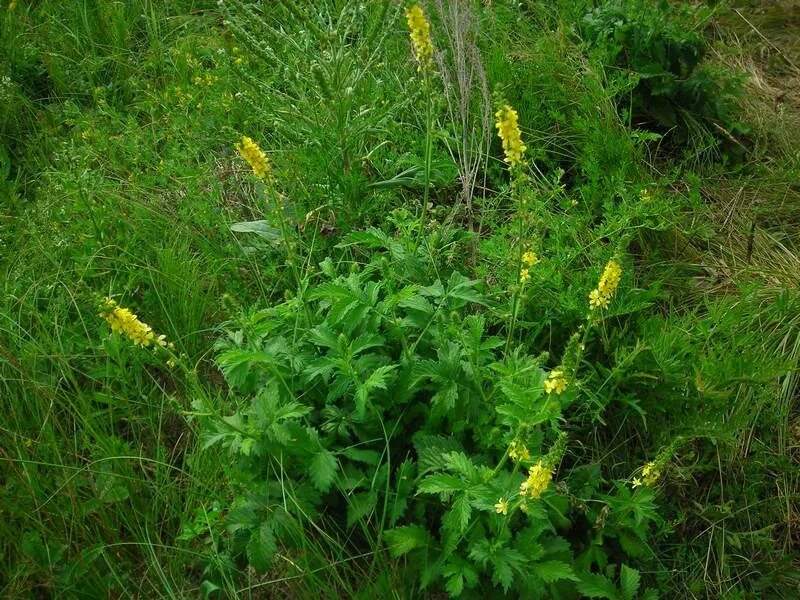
<point>419,30</point>
<point>262,168</point>
<point>507,124</point>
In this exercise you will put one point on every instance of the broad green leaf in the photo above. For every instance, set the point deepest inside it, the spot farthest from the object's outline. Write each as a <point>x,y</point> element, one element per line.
<point>440,483</point>
<point>261,548</point>
<point>629,582</point>
<point>323,470</point>
<point>553,570</point>
<point>260,228</point>
<point>402,540</point>
<point>594,585</point>
<point>359,506</point>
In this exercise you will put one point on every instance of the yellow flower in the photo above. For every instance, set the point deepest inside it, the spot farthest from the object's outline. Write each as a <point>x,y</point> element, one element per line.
<point>644,195</point>
<point>524,276</point>
<point>501,507</point>
<point>539,477</point>
<point>255,157</point>
<point>529,258</point>
<point>607,286</point>
<point>508,129</point>
<point>122,320</point>
<point>636,482</point>
<point>420,32</point>
<point>597,300</point>
<point>518,451</point>
<point>556,382</point>
<point>650,473</point>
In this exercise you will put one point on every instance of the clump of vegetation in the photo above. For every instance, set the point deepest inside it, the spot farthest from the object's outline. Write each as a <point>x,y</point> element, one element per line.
<point>658,58</point>
<point>344,299</point>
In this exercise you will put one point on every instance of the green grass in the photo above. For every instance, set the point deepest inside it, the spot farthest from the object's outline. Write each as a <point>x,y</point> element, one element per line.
<point>120,475</point>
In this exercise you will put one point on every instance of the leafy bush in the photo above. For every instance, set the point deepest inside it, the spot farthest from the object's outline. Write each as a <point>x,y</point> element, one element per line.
<point>660,52</point>
<point>397,413</point>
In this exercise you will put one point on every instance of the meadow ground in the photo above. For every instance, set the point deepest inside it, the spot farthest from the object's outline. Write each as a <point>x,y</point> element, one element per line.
<point>403,356</point>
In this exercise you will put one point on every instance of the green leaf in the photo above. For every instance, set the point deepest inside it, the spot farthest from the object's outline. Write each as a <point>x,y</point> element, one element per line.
<point>505,562</point>
<point>402,540</point>
<point>553,570</point>
<point>440,483</point>
<point>261,547</point>
<point>260,228</point>
<point>359,506</point>
<point>458,517</point>
<point>594,585</point>
<point>454,585</point>
<point>629,582</point>
<point>323,470</point>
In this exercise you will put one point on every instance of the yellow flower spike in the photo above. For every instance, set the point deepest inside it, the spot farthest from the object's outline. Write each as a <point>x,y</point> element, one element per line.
<point>539,477</point>
<point>650,474</point>
<point>508,129</point>
<point>607,286</point>
<point>501,507</point>
<point>524,276</point>
<point>529,258</point>
<point>556,382</point>
<point>122,320</point>
<point>420,33</point>
<point>255,157</point>
<point>636,482</point>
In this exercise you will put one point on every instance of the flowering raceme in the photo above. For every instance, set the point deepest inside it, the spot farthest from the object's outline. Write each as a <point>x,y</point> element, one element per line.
<point>607,286</point>
<point>556,382</point>
<point>508,129</point>
<point>420,32</point>
<point>255,157</point>
<point>122,320</point>
<point>539,477</point>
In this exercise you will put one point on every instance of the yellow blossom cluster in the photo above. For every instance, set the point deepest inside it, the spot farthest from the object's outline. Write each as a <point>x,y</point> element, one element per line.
<point>508,129</point>
<point>518,451</point>
<point>607,286</point>
<point>529,258</point>
<point>651,473</point>
<point>501,507</point>
<point>556,382</point>
<point>122,320</point>
<point>539,477</point>
<point>255,157</point>
<point>420,32</point>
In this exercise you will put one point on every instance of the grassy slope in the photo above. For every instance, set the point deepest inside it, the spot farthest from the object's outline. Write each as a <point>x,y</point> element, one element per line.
<point>121,183</point>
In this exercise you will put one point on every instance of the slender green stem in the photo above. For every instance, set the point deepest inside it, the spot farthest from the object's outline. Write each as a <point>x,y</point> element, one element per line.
<point>428,157</point>
<point>518,284</point>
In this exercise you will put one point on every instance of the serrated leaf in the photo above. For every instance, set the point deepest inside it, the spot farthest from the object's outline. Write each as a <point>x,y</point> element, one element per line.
<point>323,470</point>
<point>594,585</point>
<point>369,457</point>
<point>454,585</point>
<point>553,570</point>
<point>261,547</point>
<point>402,540</point>
<point>629,580</point>
<point>440,483</point>
<point>458,517</point>
<point>359,506</point>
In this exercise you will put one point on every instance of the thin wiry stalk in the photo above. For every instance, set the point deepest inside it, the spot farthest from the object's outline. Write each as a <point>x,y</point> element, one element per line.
<point>467,93</point>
